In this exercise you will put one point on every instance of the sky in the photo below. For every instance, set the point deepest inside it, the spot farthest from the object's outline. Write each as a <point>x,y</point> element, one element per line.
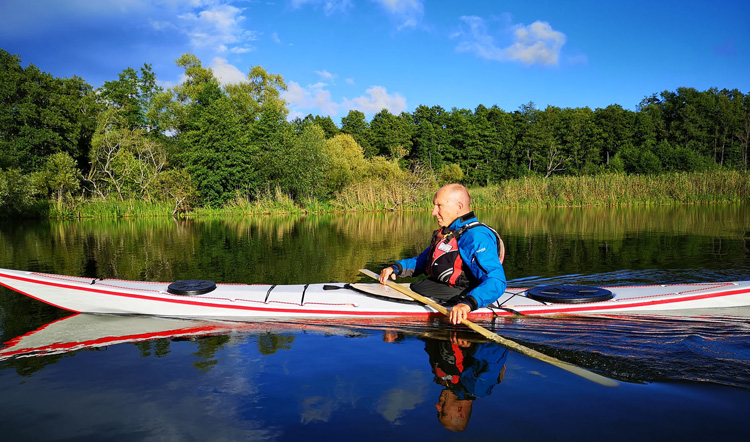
<point>369,55</point>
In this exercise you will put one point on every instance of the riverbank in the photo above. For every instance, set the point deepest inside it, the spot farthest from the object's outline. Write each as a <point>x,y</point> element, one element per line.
<point>530,192</point>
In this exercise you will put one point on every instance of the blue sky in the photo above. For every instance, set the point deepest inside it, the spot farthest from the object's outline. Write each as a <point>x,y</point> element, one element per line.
<point>338,55</point>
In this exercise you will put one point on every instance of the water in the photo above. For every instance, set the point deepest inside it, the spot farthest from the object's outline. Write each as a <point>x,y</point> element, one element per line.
<point>681,377</point>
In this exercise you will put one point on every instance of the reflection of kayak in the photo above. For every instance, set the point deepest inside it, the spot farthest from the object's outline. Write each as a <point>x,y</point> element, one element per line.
<point>91,331</point>
<point>83,331</point>
<point>204,299</point>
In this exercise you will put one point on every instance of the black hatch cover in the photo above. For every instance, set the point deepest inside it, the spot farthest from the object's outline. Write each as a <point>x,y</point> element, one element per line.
<point>191,287</point>
<point>569,294</point>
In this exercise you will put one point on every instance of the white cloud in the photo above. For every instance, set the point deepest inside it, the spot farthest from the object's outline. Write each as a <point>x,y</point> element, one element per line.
<point>216,27</point>
<point>317,99</point>
<point>376,100</point>
<point>536,43</point>
<point>408,13</point>
<point>227,73</point>
<point>329,7</point>
<point>275,38</point>
<point>310,98</point>
<point>326,75</point>
<point>241,49</point>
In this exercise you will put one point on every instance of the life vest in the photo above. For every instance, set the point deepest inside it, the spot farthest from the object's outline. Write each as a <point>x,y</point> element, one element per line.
<point>445,262</point>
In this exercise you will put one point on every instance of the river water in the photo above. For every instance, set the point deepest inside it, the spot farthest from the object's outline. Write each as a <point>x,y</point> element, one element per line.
<point>680,377</point>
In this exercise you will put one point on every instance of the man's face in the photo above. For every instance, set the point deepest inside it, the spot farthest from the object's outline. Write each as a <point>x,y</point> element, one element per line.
<point>446,208</point>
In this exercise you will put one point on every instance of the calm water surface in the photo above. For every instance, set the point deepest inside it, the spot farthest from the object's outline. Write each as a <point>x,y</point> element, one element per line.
<point>130,378</point>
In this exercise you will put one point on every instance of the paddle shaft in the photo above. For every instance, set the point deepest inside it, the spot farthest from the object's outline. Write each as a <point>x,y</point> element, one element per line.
<point>599,379</point>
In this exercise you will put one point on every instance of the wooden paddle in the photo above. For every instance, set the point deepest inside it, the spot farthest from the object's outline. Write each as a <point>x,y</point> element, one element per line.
<point>599,379</point>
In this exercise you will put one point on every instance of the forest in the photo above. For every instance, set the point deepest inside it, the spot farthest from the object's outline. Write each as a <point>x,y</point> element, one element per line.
<point>65,145</point>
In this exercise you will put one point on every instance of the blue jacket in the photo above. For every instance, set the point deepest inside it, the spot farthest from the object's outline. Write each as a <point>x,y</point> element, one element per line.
<point>484,372</point>
<point>478,250</point>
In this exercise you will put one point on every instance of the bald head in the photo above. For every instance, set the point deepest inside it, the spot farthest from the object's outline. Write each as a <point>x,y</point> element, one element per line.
<point>451,201</point>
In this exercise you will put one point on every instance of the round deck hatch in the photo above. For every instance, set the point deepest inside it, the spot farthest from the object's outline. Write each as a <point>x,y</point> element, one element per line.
<point>569,294</point>
<point>191,287</point>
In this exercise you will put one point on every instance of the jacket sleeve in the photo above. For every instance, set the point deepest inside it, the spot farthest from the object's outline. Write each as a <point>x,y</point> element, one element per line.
<point>478,248</point>
<point>412,266</point>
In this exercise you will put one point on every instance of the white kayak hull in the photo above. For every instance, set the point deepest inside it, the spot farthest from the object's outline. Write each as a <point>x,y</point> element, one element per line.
<point>242,301</point>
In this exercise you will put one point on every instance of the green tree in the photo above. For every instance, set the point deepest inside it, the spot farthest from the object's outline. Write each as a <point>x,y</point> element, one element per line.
<point>298,168</point>
<point>345,160</point>
<point>63,178</point>
<point>391,135</point>
<point>134,96</point>
<point>125,161</point>
<point>614,129</point>
<point>41,115</point>
<point>430,137</point>
<point>218,154</point>
<point>354,124</point>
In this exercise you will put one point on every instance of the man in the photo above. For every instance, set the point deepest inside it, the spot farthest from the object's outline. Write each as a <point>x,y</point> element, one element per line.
<point>462,261</point>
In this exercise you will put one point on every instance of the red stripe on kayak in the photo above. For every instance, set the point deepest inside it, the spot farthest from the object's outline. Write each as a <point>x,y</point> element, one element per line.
<point>613,306</point>
<point>32,296</point>
<point>520,309</point>
<point>204,304</point>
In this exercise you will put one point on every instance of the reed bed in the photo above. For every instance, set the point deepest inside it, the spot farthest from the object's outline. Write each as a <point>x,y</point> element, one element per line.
<point>391,195</point>
<point>100,208</point>
<point>616,190</point>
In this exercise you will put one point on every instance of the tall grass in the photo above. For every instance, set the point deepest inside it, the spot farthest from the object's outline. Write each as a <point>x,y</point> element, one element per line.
<point>530,192</point>
<point>99,208</point>
<point>616,190</point>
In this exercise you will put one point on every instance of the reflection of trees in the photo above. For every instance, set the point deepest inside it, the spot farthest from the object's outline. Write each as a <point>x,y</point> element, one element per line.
<point>158,348</point>
<point>331,247</point>
<point>207,348</point>
<point>269,343</point>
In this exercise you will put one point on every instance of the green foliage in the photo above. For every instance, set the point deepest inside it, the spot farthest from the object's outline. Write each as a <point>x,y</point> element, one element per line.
<point>354,124</point>
<point>125,162</point>
<point>298,167</point>
<point>63,178</point>
<point>134,96</point>
<point>203,144</point>
<point>345,162</point>
<point>41,115</point>
<point>390,135</point>
<point>450,173</point>
<point>178,187</point>
<point>217,154</point>
<point>20,193</point>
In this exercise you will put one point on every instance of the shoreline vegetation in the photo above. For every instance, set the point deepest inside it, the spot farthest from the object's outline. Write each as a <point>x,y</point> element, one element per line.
<point>606,190</point>
<point>130,148</point>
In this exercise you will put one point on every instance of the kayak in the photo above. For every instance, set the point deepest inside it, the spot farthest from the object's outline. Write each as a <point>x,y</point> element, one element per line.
<point>207,300</point>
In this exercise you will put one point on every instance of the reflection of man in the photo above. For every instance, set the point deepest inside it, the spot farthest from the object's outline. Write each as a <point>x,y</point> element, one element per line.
<point>467,371</point>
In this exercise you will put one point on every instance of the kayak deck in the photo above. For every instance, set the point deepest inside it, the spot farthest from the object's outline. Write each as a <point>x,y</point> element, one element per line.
<point>238,301</point>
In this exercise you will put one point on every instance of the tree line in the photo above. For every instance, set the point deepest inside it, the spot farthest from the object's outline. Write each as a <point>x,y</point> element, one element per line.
<point>204,144</point>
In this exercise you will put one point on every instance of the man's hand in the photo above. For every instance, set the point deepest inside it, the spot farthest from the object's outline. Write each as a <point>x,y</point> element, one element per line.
<point>458,313</point>
<point>385,273</point>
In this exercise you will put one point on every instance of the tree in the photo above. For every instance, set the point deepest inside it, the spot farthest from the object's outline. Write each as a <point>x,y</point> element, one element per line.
<point>391,135</point>
<point>63,177</point>
<point>614,129</point>
<point>124,161</point>
<point>41,115</point>
<point>133,95</point>
<point>218,154</point>
<point>430,137</point>
<point>345,162</point>
<point>354,124</point>
<point>298,168</point>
